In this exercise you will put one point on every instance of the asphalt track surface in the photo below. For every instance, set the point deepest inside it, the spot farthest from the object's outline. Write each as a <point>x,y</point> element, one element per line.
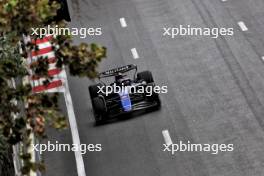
<point>215,89</point>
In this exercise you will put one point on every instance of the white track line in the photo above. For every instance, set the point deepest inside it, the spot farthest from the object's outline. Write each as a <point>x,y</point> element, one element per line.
<point>134,53</point>
<point>74,128</point>
<point>166,136</point>
<point>242,26</point>
<point>123,22</point>
<point>224,0</point>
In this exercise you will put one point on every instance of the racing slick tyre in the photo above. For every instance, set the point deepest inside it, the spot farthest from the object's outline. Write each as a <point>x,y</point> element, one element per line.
<point>99,109</point>
<point>155,98</point>
<point>93,90</point>
<point>146,76</point>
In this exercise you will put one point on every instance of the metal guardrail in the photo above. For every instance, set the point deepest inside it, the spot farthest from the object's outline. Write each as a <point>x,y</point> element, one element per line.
<point>6,166</point>
<point>16,148</point>
<point>16,160</point>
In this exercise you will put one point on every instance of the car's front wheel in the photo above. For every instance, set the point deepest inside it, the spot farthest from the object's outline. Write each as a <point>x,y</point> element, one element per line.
<point>94,90</point>
<point>146,76</point>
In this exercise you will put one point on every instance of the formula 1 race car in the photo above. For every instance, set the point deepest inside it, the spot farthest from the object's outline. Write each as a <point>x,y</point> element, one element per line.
<point>123,95</point>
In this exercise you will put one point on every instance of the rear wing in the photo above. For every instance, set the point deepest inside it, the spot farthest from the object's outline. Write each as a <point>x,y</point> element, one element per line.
<point>115,71</point>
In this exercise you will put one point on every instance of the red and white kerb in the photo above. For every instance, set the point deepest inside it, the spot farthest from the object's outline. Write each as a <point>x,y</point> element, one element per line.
<point>45,51</point>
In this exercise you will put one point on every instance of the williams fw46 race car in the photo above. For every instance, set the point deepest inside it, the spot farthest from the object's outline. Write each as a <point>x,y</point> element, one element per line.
<point>123,95</point>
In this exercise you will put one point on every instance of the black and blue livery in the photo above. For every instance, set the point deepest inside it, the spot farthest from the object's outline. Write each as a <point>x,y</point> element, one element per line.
<point>109,106</point>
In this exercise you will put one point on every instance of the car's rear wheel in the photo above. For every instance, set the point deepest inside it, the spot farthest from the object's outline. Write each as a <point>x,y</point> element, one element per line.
<point>157,100</point>
<point>99,109</point>
<point>154,96</point>
<point>146,76</point>
<point>94,89</point>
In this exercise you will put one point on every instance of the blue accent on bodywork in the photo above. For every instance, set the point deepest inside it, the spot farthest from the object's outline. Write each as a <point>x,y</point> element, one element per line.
<point>125,100</point>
